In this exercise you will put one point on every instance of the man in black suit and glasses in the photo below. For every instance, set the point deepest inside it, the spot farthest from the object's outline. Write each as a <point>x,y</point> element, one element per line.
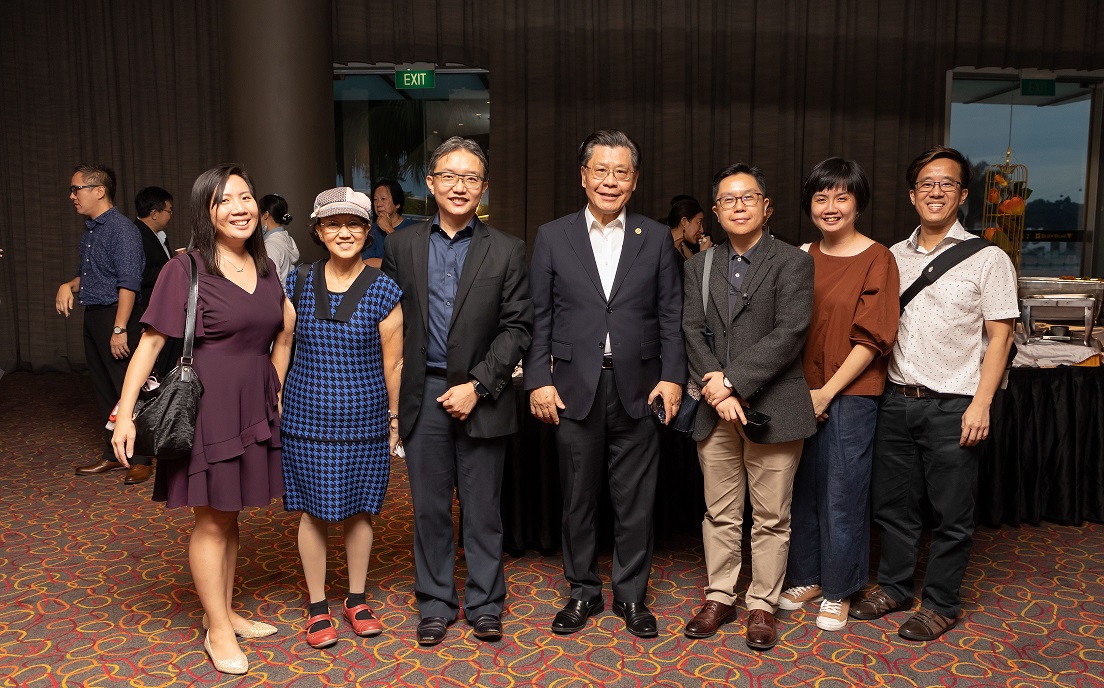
<point>467,320</point>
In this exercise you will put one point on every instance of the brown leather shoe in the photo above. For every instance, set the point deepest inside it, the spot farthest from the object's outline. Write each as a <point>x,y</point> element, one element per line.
<point>761,631</point>
<point>874,604</point>
<point>137,473</point>
<point>712,616</point>
<point>101,466</point>
<point>926,624</point>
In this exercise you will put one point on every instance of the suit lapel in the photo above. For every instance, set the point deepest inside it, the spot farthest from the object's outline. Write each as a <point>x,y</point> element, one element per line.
<point>419,254</point>
<point>630,248</point>
<point>477,251</point>
<point>578,237</point>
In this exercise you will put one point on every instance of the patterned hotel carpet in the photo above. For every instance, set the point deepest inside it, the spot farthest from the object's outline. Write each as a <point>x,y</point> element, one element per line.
<point>94,591</point>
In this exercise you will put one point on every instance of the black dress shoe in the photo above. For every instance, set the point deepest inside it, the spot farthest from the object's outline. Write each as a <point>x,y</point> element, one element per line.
<point>432,630</point>
<point>101,466</point>
<point>573,617</point>
<point>639,621</point>
<point>487,627</point>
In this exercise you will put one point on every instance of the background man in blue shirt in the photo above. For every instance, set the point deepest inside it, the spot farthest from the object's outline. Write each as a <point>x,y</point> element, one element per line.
<point>107,283</point>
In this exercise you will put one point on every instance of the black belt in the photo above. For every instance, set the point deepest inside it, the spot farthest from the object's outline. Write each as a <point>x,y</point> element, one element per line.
<point>436,372</point>
<point>607,362</point>
<point>918,392</point>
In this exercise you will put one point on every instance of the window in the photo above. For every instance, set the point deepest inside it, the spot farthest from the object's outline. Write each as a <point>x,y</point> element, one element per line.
<point>388,132</point>
<point>1050,135</point>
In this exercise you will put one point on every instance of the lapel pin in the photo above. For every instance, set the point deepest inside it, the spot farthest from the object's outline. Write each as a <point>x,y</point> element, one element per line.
<point>638,230</point>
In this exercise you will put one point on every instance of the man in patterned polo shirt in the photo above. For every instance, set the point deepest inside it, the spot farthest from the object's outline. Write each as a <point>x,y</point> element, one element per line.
<point>107,283</point>
<point>952,345</point>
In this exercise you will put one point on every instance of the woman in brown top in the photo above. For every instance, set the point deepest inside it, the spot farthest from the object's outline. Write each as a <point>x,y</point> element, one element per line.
<point>854,325</point>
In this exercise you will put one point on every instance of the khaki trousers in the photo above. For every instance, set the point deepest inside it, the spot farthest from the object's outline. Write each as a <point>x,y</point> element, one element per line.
<point>729,461</point>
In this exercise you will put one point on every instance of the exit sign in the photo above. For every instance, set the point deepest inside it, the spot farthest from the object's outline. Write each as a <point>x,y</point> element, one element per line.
<point>1038,87</point>
<point>415,78</point>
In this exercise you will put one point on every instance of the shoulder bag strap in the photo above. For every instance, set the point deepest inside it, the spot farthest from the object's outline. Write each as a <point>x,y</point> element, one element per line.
<point>941,264</point>
<point>189,322</point>
<point>705,278</point>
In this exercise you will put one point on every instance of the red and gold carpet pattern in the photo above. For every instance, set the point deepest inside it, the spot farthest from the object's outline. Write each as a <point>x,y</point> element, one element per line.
<point>95,591</point>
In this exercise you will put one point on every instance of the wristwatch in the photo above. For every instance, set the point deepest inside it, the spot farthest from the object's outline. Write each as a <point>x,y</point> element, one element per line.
<point>480,389</point>
<point>118,330</point>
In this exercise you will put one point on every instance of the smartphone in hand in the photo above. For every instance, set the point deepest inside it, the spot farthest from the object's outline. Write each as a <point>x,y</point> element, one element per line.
<point>657,409</point>
<point>756,419</point>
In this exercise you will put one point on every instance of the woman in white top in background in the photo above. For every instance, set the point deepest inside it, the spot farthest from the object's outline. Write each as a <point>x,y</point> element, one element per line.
<point>279,245</point>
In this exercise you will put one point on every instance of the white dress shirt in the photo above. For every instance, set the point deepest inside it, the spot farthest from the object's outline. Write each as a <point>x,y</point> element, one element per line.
<point>606,242</point>
<point>941,337</point>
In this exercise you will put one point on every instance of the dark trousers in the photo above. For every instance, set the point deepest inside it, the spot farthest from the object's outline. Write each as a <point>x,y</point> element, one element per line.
<point>439,456</point>
<point>830,516</point>
<point>107,371</point>
<point>917,456</point>
<point>633,462</point>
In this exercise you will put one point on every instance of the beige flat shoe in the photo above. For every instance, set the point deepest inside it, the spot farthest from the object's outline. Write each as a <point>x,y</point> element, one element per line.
<point>234,665</point>
<point>259,629</point>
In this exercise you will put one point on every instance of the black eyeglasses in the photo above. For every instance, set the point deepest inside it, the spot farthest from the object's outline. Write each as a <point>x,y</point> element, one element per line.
<point>750,200</point>
<point>75,189</point>
<point>944,186</point>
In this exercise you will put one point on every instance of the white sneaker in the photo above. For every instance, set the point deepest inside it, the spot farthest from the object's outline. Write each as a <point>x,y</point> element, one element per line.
<point>833,614</point>
<point>793,598</point>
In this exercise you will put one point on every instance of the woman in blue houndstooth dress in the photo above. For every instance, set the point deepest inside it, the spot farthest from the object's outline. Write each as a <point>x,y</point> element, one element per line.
<point>339,404</point>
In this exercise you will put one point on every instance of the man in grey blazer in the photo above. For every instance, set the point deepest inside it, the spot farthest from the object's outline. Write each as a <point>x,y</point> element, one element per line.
<point>606,344</point>
<point>745,347</point>
<point>467,320</point>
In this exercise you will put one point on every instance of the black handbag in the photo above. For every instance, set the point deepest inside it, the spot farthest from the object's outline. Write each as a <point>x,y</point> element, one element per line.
<point>164,418</point>
<point>687,414</point>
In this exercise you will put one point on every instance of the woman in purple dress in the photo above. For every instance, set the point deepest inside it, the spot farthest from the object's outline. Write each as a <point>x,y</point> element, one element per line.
<point>235,458</point>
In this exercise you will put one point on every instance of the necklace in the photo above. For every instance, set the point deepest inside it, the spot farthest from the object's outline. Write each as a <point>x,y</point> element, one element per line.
<point>236,268</point>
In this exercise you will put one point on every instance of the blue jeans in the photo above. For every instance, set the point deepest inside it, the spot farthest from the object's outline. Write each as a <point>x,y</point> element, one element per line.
<point>830,536</point>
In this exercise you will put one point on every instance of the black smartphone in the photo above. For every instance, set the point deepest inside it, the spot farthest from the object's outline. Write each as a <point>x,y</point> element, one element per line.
<point>657,408</point>
<point>756,419</point>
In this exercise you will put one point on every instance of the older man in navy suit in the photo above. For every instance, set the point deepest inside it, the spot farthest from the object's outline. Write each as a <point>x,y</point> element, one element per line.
<point>606,344</point>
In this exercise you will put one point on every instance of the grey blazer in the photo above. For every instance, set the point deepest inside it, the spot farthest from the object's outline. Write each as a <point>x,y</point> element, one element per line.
<point>759,346</point>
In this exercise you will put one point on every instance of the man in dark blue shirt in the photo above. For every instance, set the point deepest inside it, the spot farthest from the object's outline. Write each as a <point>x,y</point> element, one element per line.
<point>107,284</point>
<point>467,320</point>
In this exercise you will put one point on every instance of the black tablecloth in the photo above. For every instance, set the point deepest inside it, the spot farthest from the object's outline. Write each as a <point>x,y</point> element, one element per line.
<point>1044,460</point>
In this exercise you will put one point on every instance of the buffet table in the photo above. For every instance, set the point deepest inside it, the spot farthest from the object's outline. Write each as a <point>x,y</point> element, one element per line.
<point>1044,460</point>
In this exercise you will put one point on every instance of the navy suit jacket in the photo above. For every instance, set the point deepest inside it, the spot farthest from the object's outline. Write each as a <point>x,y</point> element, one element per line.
<point>492,321</point>
<point>643,315</point>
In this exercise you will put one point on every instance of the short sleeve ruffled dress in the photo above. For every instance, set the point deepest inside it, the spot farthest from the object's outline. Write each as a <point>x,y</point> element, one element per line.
<point>337,460</point>
<point>235,460</point>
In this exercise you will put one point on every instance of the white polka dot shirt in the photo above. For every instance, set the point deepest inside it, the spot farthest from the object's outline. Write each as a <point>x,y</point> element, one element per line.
<point>941,337</point>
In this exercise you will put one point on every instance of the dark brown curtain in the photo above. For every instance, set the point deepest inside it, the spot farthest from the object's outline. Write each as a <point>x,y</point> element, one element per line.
<point>700,84</point>
<point>138,84</point>
<point>133,84</point>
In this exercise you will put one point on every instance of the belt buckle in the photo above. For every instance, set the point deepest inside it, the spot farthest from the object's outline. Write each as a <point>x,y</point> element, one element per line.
<point>917,392</point>
<point>607,362</point>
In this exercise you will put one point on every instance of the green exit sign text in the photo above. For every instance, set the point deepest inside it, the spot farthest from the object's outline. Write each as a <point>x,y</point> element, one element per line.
<point>1038,87</point>
<point>415,78</point>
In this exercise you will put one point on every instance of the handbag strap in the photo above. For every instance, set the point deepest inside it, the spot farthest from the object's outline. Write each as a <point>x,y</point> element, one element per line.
<point>189,322</point>
<point>941,264</point>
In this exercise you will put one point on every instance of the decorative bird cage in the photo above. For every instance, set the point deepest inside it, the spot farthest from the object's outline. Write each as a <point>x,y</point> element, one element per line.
<point>1006,196</point>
